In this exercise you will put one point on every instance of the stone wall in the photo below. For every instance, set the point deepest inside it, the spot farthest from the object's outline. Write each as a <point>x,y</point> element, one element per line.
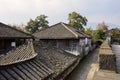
<point>106,57</point>
<point>107,62</point>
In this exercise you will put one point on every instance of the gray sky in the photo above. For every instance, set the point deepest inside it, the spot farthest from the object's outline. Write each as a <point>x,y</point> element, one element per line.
<point>20,11</point>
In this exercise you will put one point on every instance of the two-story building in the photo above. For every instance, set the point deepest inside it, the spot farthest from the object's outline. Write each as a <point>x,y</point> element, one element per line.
<point>113,34</point>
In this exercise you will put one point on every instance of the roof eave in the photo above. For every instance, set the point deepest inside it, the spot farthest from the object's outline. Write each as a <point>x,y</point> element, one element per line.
<point>16,37</point>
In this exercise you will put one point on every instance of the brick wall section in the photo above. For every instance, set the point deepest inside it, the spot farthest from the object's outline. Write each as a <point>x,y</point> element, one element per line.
<point>106,57</point>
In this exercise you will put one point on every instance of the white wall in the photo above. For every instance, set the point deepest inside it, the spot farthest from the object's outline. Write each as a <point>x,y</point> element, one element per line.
<point>81,42</point>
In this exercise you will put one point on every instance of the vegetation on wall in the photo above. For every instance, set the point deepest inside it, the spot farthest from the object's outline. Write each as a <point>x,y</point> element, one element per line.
<point>97,35</point>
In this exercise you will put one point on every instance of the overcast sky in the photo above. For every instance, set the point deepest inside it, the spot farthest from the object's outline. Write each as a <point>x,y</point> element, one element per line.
<point>20,11</point>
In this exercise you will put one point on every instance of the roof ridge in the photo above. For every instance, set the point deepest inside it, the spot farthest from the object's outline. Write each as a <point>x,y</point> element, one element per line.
<point>46,28</point>
<point>70,30</point>
<point>8,26</point>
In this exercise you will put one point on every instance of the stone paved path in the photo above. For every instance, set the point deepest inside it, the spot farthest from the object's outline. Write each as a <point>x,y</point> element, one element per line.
<point>110,75</point>
<point>81,71</point>
<point>106,75</point>
<point>116,50</point>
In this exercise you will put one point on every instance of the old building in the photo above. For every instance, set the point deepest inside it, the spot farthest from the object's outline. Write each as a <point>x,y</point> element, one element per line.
<point>114,34</point>
<point>59,61</point>
<point>65,37</point>
<point>28,60</point>
<point>11,38</point>
<point>18,60</point>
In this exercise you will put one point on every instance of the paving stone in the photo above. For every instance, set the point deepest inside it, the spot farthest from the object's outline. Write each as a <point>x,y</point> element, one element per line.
<point>106,75</point>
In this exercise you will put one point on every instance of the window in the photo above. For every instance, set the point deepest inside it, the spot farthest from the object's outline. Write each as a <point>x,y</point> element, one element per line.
<point>86,41</point>
<point>13,44</point>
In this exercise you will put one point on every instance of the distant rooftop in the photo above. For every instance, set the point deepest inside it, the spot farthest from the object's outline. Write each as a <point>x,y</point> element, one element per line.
<point>7,31</point>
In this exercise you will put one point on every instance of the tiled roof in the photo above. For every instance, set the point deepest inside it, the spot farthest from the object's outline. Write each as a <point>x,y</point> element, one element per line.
<point>60,31</point>
<point>29,70</point>
<point>78,32</point>
<point>56,59</point>
<point>22,64</point>
<point>7,31</point>
<point>114,33</point>
<point>22,53</point>
<point>47,65</point>
<point>116,30</point>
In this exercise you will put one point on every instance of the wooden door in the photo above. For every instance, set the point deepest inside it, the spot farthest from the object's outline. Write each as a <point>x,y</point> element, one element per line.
<point>67,43</point>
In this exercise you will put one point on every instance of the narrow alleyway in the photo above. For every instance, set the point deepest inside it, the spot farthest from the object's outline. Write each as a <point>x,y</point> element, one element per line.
<point>82,70</point>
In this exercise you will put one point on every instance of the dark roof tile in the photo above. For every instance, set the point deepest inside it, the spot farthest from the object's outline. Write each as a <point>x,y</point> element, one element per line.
<point>21,64</point>
<point>59,31</point>
<point>22,53</point>
<point>56,59</point>
<point>49,61</point>
<point>27,70</point>
<point>7,31</point>
<point>2,77</point>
